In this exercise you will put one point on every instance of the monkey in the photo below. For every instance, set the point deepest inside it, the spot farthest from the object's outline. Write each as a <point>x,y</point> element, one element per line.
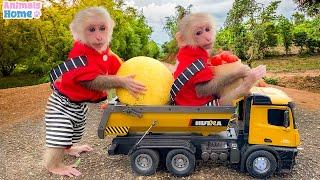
<point>66,110</point>
<point>195,38</point>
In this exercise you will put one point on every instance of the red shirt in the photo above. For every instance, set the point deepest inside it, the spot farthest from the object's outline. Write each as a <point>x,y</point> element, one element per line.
<point>187,95</point>
<point>103,63</point>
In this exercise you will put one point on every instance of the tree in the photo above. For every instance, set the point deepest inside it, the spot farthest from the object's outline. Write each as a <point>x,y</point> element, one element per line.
<point>299,39</point>
<point>131,35</point>
<point>307,35</point>
<point>253,28</point>
<point>171,23</point>
<point>311,7</point>
<point>224,39</point>
<point>41,44</point>
<point>171,26</point>
<point>298,18</point>
<point>285,31</point>
<point>15,45</point>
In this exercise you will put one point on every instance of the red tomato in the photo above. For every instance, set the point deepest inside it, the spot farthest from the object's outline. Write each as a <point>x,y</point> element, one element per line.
<point>215,60</point>
<point>224,57</point>
<point>104,106</point>
<point>228,57</point>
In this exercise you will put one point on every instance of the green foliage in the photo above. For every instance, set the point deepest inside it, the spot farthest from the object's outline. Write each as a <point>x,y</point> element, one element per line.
<point>298,18</point>
<point>224,39</point>
<point>271,80</point>
<point>171,27</point>
<point>39,45</point>
<point>171,23</point>
<point>253,28</point>
<point>240,37</point>
<point>307,35</point>
<point>285,32</point>
<point>252,31</point>
<point>271,38</point>
<point>152,50</point>
<point>15,45</point>
<point>19,81</point>
<point>311,7</point>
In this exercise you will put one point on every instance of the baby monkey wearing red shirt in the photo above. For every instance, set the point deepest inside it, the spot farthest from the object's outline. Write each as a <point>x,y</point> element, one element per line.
<point>195,37</point>
<point>85,77</point>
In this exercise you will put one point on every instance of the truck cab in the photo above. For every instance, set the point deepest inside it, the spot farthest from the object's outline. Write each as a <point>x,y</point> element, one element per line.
<point>268,127</point>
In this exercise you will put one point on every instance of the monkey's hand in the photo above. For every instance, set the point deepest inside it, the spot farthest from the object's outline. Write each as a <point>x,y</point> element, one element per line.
<point>243,71</point>
<point>134,87</point>
<point>259,72</point>
<point>254,75</point>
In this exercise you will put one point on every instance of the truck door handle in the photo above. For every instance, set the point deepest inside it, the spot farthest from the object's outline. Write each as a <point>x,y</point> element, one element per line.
<point>267,140</point>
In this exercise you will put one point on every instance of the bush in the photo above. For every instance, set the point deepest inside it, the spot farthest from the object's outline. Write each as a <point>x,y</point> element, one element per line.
<point>271,80</point>
<point>19,81</point>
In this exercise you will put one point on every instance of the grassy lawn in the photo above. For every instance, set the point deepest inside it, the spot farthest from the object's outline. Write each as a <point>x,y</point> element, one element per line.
<point>290,63</point>
<point>19,81</point>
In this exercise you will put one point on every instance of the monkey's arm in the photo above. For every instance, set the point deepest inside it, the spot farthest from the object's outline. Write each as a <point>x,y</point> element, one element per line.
<point>215,86</point>
<point>104,82</point>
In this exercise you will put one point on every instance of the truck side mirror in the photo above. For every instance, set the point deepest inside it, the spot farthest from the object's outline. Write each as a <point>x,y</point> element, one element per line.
<point>286,121</point>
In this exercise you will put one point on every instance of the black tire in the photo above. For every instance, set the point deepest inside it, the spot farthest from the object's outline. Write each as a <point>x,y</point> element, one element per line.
<point>261,164</point>
<point>180,162</point>
<point>144,161</point>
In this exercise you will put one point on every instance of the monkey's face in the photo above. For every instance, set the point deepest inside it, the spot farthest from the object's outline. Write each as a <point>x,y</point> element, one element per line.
<point>203,36</point>
<point>96,34</point>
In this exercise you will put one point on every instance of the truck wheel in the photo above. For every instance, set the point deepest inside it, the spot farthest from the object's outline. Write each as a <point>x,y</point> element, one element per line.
<point>261,164</point>
<point>144,161</point>
<point>180,162</point>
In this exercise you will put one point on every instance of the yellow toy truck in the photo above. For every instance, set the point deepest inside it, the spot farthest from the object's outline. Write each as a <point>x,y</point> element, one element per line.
<point>257,134</point>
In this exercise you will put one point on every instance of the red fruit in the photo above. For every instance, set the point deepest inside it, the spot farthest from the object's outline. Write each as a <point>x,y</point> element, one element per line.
<point>104,106</point>
<point>261,83</point>
<point>215,60</point>
<point>228,57</point>
<point>225,57</point>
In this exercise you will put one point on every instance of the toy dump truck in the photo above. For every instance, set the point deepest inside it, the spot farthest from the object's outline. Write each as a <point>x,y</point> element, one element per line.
<point>258,134</point>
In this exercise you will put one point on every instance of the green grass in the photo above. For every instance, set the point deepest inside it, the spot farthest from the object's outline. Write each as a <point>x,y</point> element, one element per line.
<point>290,63</point>
<point>19,81</point>
<point>270,80</point>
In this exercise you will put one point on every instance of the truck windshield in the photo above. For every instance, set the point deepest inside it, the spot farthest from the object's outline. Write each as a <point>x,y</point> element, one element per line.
<point>293,110</point>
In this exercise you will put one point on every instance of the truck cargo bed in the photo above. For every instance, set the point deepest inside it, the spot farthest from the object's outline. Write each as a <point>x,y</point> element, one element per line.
<point>122,120</point>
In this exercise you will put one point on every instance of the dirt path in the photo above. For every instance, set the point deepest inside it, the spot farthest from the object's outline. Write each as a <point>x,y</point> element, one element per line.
<point>311,73</point>
<point>23,103</point>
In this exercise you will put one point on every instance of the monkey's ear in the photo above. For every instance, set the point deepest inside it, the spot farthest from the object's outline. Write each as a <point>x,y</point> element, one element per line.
<point>179,39</point>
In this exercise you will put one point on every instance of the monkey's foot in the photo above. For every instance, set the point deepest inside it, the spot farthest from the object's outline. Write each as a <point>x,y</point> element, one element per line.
<point>65,171</point>
<point>76,150</point>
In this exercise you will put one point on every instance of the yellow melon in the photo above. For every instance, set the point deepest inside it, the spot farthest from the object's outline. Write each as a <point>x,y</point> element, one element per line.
<point>153,74</point>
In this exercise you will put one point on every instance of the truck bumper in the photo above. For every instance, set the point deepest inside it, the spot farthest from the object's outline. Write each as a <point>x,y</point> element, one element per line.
<point>287,157</point>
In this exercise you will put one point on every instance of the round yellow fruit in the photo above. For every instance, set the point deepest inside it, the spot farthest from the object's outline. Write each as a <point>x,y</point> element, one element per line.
<point>153,74</point>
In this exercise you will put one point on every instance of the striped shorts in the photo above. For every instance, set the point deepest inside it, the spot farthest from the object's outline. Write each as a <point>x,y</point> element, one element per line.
<point>65,121</point>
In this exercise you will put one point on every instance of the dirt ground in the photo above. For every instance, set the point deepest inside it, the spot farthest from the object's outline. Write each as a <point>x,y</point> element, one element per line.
<point>22,141</point>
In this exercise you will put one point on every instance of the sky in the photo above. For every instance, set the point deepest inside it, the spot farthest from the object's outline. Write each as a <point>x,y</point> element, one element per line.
<point>155,11</point>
